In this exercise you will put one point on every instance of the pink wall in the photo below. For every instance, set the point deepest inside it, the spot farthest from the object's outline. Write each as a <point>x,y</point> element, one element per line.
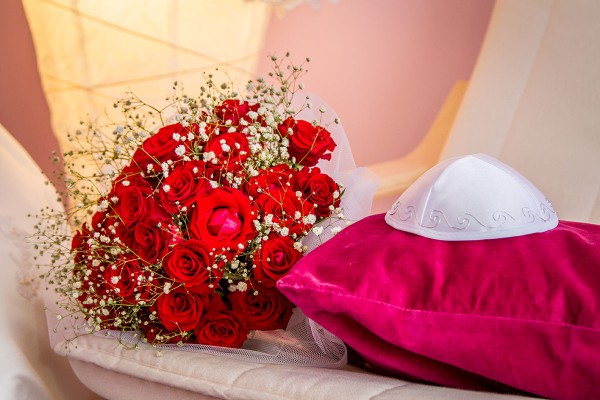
<point>385,66</point>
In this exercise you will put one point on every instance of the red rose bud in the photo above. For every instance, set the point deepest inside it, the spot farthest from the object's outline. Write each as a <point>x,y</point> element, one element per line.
<point>151,331</point>
<point>281,176</point>
<point>308,143</point>
<point>93,290</point>
<point>180,310</point>
<point>156,333</point>
<point>233,110</point>
<point>133,195</point>
<point>221,327</point>
<point>266,310</point>
<point>230,150</point>
<point>127,279</point>
<point>192,264</point>
<point>161,147</point>
<point>287,209</point>
<point>184,184</point>
<point>320,189</point>
<point>79,245</point>
<point>274,259</point>
<point>153,236</point>
<point>223,220</point>
<point>112,226</point>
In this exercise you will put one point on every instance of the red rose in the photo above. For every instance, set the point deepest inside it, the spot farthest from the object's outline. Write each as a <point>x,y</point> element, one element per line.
<point>88,270</point>
<point>308,143</point>
<point>320,189</point>
<point>286,208</point>
<point>93,289</point>
<point>133,195</point>
<point>89,302</point>
<point>223,220</point>
<point>112,226</point>
<point>93,242</point>
<point>79,245</point>
<point>155,333</point>
<point>151,331</point>
<point>274,259</point>
<point>192,264</point>
<point>277,177</point>
<point>179,190</point>
<point>221,327</point>
<point>234,110</point>
<point>180,310</point>
<point>161,147</point>
<point>231,150</point>
<point>267,310</point>
<point>153,236</point>
<point>127,279</point>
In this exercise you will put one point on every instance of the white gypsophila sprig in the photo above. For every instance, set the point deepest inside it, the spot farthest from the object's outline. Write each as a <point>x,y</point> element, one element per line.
<point>98,176</point>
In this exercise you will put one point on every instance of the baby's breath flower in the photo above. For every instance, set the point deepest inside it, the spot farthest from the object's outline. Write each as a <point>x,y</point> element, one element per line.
<point>180,150</point>
<point>115,284</point>
<point>208,156</point>
<point>103,206</point>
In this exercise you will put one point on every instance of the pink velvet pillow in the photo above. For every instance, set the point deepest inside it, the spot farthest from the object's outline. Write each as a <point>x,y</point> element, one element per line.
<point>521,312</point>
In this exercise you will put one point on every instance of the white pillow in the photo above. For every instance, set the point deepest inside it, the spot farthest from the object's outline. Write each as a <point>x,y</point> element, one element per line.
<point>29,368</point>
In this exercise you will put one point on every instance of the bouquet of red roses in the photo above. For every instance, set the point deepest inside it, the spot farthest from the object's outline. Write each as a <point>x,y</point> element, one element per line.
<point>183,233</point>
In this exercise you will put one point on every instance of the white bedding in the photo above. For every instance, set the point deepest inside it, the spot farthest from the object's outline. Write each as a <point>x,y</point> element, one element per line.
<point>193,376</point>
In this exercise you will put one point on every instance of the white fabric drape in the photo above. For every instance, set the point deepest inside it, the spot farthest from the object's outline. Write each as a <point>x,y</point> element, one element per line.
<point>534,97</point>
<point>29,368</point>
<point>90,52</point>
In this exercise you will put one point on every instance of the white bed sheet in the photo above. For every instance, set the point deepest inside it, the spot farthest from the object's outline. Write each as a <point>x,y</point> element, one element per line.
<point>193,376</point>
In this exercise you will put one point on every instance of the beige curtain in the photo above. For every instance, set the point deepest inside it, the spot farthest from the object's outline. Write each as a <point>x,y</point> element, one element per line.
<point>534,100</point>
<point>92,51</point>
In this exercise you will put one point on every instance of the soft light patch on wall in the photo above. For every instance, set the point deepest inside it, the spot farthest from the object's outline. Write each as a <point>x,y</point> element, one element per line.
<point>90,52</point>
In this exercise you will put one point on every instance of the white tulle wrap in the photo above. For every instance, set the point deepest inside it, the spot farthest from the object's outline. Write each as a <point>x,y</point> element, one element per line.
<point>304,342</point>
